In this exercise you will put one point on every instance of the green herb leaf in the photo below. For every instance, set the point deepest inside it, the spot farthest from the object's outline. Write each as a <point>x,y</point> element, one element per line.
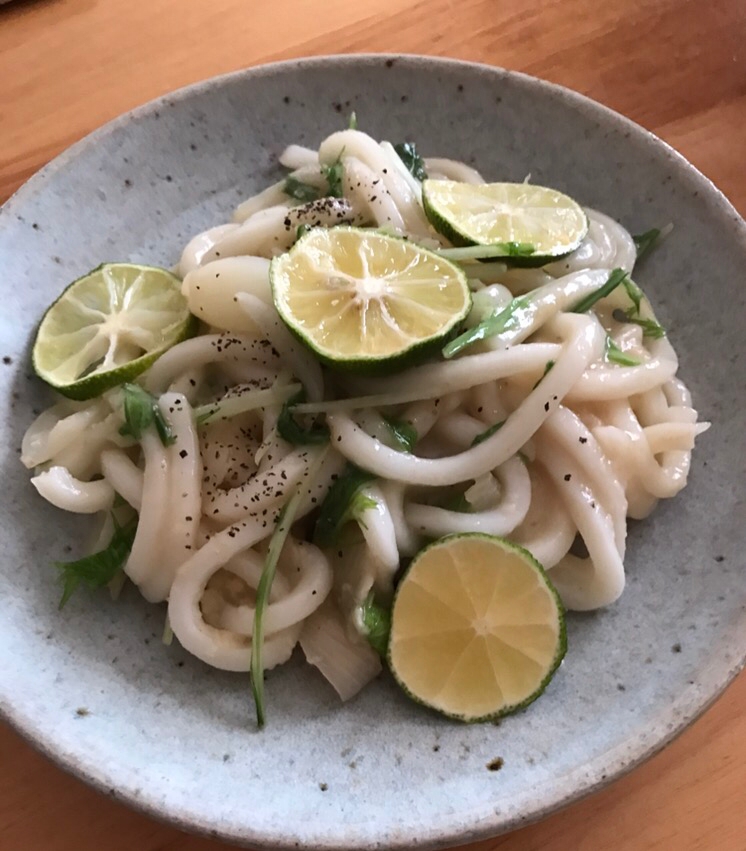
<point>289,429</point>
<point>634,292</point>
<point>343,503</point>
<point>490,327</point>
<point>376,621</point>
<point>300,191</point>
<point>646,242</point>
<point>403,434</point>
<point>352,123</point>
<point>650,328</point>
<point>302,231</point>
<point>162,427</point>
<point>334,174</point>
<point>98,569</point>
<point>616,277</point>
<point>141,410</point>
<point>138,411</point>
<point>547,368</point>
<point>613,354</point>
<point>480,438</point>
<point>407,152</point>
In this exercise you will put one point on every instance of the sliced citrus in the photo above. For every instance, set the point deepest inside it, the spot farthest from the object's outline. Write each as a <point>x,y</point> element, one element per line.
<point>477,629</point>
<point>364,300</point>
<point>108,327</point>
<point>522,222</point>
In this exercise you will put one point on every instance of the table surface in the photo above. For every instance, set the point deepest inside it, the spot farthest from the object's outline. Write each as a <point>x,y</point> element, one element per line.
<point>673,66</point>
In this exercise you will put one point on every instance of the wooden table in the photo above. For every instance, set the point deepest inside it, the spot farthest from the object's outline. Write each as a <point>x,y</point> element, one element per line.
<point>677,67</point>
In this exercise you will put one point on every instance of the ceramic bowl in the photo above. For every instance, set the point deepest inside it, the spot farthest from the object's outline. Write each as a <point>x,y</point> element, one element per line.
<point>94,688</point>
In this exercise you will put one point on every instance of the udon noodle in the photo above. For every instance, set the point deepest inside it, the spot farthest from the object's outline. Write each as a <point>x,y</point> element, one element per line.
<point>584,442</point>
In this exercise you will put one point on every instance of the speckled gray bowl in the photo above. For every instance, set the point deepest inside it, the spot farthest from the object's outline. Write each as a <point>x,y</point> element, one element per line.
<point>175,739</point>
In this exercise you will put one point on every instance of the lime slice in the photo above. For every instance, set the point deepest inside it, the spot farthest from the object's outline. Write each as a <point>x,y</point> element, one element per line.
<point>368,301</point>
<point>108,327</point>
<point>477,629</point>
<point>532,224</point>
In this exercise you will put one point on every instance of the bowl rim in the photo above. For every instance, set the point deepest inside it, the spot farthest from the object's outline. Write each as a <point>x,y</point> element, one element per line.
<point>585,780</point>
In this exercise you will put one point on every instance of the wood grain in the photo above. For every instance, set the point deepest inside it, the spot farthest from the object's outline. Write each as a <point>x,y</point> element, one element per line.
<point>678,67</point>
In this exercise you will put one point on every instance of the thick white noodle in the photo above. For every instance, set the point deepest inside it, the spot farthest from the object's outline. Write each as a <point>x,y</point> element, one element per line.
<point>353,143</point>
<point>81,456</point>
<point>435,380</point>
<point>397,162</point>
<point>584,343</point>
<point>547,530</point>
<point>54,429</point>
<point>123,475</point>
<point>546,301</point>
<point>229,648</point>
<point>583,444</point>
<point>460,429</point>
<point>254,526</point>
<point>305,367</point>
<point>378,529</point>
<point>596,581</point>
<point>567,430</point>
<point>297,156</point>
<point>166,533</point>
<point>601,382</point>
<point>275,194</point>
<point>407,542</point>
<point>62,489</point>
<point>314,582</point>
<point>268,489</point>
<point>210,291</point>
<point>607,246</point>
<point>440,168</point>
<point>270,231</point>
<point>239,349</point>
<point>196,249</point>
<point>502,519</point>
<point>369,197</point>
